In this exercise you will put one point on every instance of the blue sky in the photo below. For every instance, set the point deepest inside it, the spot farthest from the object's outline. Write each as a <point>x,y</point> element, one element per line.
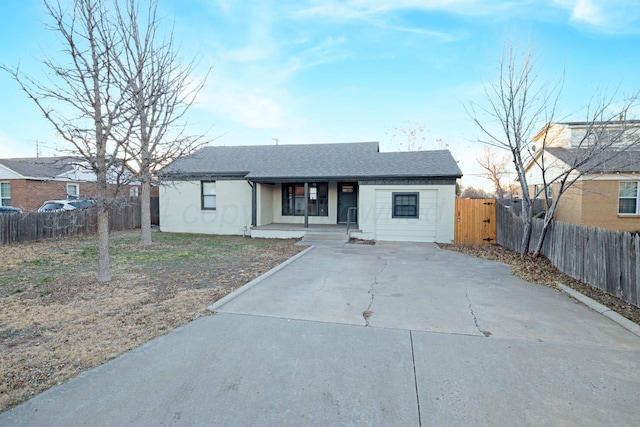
<point>341,71</point>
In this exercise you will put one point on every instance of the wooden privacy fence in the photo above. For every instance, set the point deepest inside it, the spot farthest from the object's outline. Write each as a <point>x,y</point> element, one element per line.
<point>475,221</point>
<point>32,226</point>
<point>607,260</point>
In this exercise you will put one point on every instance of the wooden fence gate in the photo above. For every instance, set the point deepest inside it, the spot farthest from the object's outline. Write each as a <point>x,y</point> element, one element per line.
<point>475,221</point>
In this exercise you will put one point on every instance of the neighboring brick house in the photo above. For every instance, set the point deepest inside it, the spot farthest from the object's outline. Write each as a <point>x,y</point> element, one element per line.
<point>608,194</point>
<point>28,182</point>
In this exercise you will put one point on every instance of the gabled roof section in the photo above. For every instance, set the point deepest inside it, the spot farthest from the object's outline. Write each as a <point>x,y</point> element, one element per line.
<point>312,161</point>
<point>42,167</point>
<point>608,161</point>
<point>616,133</point>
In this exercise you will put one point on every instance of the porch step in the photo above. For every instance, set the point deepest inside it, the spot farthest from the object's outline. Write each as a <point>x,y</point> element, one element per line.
<point>325,236</point>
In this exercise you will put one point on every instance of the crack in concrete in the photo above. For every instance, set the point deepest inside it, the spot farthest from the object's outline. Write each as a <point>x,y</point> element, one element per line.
<point>475,318</point>
<point>367,313</point>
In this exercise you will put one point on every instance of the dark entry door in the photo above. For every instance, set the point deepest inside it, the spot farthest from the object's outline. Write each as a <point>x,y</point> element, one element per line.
<point>347,198</point>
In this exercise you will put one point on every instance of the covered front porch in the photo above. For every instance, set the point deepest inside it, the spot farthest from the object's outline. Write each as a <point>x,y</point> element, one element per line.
<point>304,204</point>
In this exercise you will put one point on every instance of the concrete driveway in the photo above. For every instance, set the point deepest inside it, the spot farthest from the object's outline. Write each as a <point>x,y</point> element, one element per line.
<point>392,334</point>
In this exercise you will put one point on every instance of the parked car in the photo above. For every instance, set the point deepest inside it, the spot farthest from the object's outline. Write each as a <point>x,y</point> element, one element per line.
<point>9,210</point>
<point>65,205</point>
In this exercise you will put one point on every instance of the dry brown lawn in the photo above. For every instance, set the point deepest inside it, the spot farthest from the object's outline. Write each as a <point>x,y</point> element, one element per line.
<point>57,320</point>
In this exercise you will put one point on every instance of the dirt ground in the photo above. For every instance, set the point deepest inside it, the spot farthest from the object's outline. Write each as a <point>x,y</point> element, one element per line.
<point>58,321</point>
<point>540,270</point>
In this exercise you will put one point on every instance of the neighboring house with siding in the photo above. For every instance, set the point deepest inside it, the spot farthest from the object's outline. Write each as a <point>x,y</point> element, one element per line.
<point>608,194</point>
<point>28,182</point>
<point>408,196</point>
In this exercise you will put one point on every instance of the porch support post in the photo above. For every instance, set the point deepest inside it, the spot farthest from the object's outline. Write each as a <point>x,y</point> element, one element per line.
<point>254,204</point>
<point>306,205</point>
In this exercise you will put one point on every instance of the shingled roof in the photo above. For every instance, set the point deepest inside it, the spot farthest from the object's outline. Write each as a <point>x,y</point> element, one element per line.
<point>607,161</point>
<point>40,167</point>
<point>313,162</point>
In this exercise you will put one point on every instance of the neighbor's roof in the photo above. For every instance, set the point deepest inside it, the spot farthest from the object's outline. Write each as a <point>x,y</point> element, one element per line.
<point>607,161</point>
<point>40,167</point>
<point>602,123</point>
<point>313,161</point>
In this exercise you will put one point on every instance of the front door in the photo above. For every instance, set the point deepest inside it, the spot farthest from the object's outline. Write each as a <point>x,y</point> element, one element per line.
<point>347,198</point>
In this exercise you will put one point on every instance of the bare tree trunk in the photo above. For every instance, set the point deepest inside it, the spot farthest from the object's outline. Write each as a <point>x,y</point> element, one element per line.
<point>103,245</point>
<point>527,214</point>
<point>145,214</point>
<point>548,217</point>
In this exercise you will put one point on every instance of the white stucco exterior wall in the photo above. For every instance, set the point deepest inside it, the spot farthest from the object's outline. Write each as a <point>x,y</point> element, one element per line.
<point>435,222</point>
<point>265,203</point>
<point>180,208</point>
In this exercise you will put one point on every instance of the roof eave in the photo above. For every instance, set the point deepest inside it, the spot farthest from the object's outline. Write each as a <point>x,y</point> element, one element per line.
<point>347,177</point>
<point>197,175</point>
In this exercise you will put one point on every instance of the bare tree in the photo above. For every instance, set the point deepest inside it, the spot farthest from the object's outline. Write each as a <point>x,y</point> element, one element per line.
<point>522,105</point>
<point>408,136</point>
<point>474,193</point>
<point>496,170</point>
<point>82,101</point>
<point>159,89</point>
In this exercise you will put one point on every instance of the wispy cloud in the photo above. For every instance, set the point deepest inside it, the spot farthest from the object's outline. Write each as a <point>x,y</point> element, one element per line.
<point>388,15</point>
<point>367,9</point>
<point>262,47</point>
<point>255,93</point>
<point>258,51</point>
<point>245,101</point>
<point>377,13</point>
<point>608,16</point>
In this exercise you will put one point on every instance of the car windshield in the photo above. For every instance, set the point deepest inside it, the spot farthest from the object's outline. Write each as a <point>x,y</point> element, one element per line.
<point>51,206</point>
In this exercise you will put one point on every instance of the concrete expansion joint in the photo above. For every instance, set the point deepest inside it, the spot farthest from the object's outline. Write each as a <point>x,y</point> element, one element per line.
<point>368,312</point>
<point>415,378</point>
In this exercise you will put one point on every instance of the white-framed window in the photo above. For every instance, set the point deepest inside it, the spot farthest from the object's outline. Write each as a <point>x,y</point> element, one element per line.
<point>73,191</point>
<point>538,191</point>
<point>5,194</point>
<point>208,195</point>
<point>133,192</point>
<point>628,195</point>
